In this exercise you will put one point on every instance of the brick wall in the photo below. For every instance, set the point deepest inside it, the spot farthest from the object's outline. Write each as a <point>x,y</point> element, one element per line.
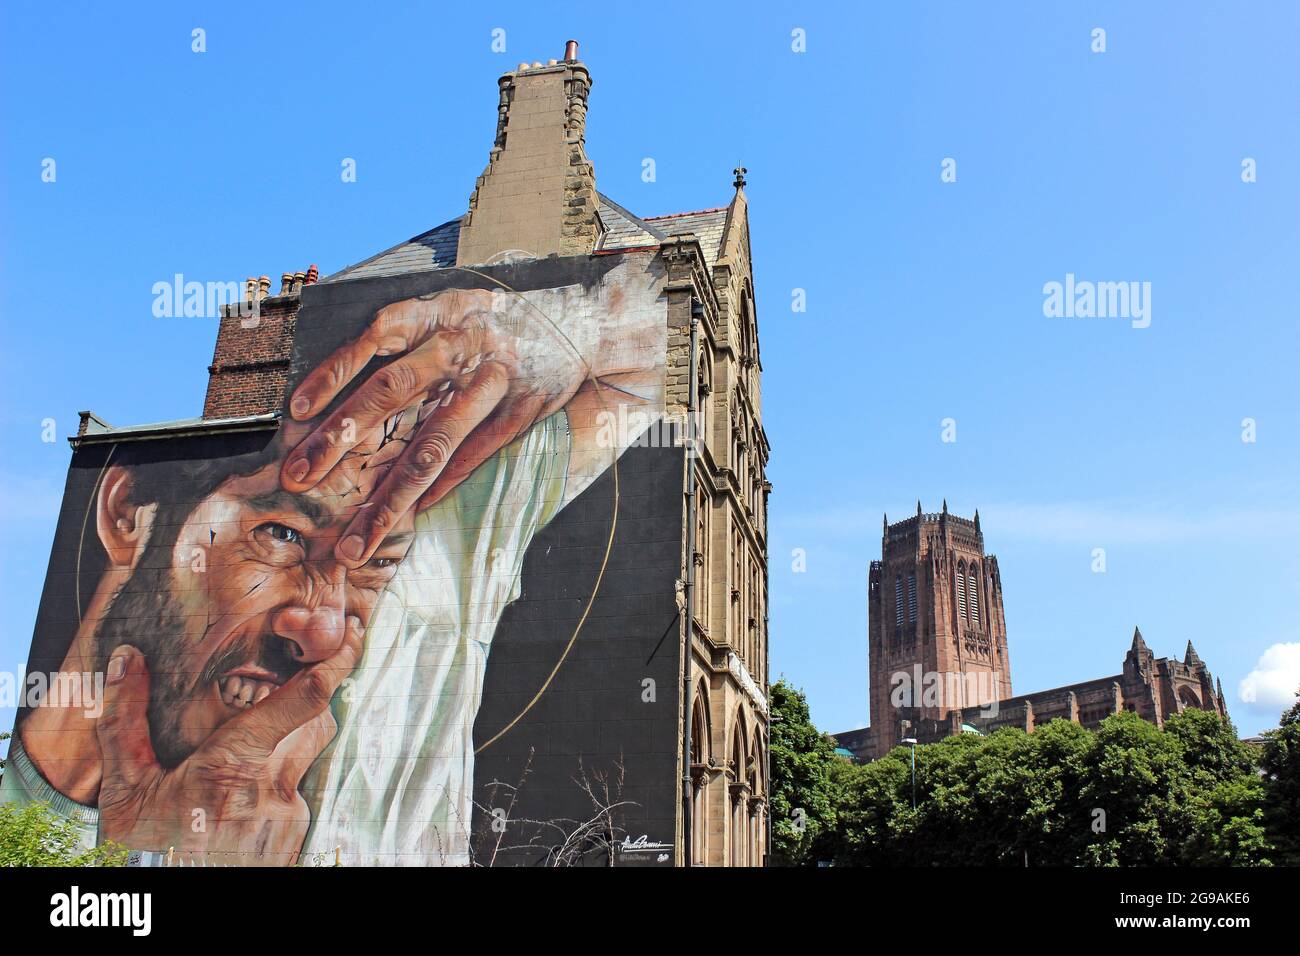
<point>250,364</point>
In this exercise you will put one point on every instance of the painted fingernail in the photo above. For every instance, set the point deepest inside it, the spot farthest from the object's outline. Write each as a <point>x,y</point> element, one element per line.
<point>298,469</point>
<point>444,386</point>
<point>300,406</point>
<point>116,667</point>
<point>351,547</point>
<point>447,400</point>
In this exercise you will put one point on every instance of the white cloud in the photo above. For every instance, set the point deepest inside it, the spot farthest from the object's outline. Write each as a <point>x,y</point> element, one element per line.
<point>1274,681</point>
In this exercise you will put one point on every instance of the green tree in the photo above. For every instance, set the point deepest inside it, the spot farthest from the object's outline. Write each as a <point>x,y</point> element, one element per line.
<point>1126,794</point>
<point>1280,763</point>
<point>1223,797</point>
<point>33,835</point>
<point>802,791</point>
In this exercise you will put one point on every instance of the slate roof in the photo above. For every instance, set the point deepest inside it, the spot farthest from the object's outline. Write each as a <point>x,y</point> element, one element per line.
<point>436,249</point>
<point>707,224</point>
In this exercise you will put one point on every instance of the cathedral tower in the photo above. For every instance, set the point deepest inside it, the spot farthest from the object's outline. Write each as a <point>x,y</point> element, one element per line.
<point>938,634</point>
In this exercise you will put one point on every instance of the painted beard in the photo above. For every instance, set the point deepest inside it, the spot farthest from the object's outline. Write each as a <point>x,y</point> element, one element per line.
<point>146,615</point>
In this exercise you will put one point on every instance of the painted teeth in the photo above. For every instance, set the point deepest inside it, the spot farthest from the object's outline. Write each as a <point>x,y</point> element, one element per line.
<point>244,691</point>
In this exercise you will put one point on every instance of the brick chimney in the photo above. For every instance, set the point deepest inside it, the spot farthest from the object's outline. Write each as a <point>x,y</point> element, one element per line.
<point>538,193</point>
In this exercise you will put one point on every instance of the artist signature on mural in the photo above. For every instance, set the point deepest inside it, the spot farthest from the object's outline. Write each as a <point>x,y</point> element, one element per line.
<point>643,848</point>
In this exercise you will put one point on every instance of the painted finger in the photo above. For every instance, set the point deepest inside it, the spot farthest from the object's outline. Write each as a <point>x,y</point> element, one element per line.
<point>298,751</point>
<point>396,328</point>
<point>258,731</point>
<point>433,445</point>
<point>123,728</point>
<point>320,386</point>
<point>392,389</point>
<point>485,441</point>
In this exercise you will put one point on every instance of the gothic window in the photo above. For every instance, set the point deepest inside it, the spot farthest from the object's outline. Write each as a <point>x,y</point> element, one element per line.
<point>911,597</point>
<point>702,549</point>
<point>898,602</point>
<point>973,595</point>
<point>700,749</point>
<point>961,590</point>
<point>737,584</point>
<point>705,383</point>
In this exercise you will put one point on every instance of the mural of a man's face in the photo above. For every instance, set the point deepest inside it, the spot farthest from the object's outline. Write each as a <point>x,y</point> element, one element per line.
<point>249,593</point>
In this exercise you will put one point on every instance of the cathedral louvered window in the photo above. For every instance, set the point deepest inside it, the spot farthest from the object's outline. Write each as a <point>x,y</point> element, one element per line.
<point>973,596</point>
<point>911,598</point>
<point>898,602</point>
<point>961,591</point>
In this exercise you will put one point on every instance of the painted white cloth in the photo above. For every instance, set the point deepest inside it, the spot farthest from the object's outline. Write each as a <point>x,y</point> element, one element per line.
<point>396,785</point>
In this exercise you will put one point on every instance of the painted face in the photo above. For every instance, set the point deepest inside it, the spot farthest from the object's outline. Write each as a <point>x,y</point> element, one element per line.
<point>254,594</point>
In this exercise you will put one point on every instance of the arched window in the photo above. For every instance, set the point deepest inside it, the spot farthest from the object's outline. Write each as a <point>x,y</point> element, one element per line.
<point>898,602</point>
<point>961,590</point>
<point>973,595</point>
<point>701,748</point>
<point>704,382</point>
<point>703,550</point>
<point>737,586</point>
<point>911,597</point>
<point>739,762</point>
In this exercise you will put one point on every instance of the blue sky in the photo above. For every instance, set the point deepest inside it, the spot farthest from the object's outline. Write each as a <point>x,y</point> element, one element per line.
<point>924,298</point>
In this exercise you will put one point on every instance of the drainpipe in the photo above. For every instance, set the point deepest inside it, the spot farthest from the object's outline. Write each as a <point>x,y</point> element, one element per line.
<point>767,684</point>
<point>688,796</point>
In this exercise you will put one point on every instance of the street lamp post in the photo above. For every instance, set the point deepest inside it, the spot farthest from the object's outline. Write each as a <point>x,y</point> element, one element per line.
<point>911,742</point>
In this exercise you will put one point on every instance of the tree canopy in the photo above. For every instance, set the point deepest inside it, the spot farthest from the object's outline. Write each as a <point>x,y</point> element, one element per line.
<point>1126,794</point>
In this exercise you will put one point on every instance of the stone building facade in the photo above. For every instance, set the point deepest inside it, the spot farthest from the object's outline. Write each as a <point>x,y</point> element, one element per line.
<point>538,198</point>
<point>940,661</point>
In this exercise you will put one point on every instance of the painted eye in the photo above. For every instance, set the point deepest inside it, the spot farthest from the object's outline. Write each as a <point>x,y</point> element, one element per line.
<point>383,562</point>
<point>281,532</point>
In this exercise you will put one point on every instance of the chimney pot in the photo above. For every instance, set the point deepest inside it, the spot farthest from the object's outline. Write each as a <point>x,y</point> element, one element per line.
<point>571,51</point>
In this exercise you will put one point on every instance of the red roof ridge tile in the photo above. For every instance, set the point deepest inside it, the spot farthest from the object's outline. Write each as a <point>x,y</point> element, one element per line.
<point>677,215</point>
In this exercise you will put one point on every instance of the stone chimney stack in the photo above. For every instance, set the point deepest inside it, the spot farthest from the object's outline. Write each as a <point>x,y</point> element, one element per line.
<point>538,193</point>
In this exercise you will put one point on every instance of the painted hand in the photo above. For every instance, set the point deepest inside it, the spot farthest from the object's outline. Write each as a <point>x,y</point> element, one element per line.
<point>236,797</point>
<point>482,367</point>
